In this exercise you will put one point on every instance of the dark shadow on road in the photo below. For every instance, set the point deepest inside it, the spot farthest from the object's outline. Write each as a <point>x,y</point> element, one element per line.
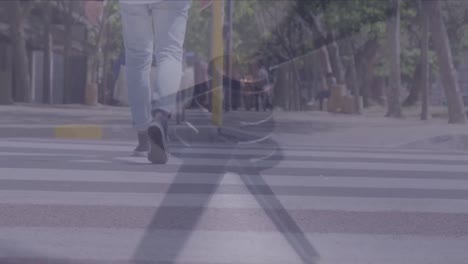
<point>160,248</point>
<point>285,224</point>
<point>14,253</point>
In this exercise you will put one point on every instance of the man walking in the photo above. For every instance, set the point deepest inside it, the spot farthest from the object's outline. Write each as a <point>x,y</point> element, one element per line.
<point>152,26</point>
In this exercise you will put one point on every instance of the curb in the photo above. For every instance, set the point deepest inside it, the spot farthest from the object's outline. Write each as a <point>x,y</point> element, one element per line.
<point>81,131</point>
<point>456,142</point>
<point>183,134</point>
<point>78,132</point>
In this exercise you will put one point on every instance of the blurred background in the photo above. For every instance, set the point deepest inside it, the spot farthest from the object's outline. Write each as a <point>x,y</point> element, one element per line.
<point>383,54</point>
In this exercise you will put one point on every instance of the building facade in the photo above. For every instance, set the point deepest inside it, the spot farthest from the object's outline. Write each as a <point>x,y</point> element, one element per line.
<point>66,22</point>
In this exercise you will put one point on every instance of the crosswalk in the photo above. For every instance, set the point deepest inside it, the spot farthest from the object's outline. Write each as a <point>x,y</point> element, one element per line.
<point>88,202</point>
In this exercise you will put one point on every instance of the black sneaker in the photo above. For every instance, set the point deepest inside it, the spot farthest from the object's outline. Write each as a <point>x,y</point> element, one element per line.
<point>143,145</point>
<point>157,133</point>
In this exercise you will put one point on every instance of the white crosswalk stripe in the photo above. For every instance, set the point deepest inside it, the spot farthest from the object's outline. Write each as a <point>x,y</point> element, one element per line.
<point>88,202</point>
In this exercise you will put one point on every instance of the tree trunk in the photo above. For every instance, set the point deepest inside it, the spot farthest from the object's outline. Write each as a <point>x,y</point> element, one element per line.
<point>279,91</point>
<point>105,63</point>
<point>335,61</point>
<point>424,63</point>
<point>377,94</point>
<point>325,63</point>
<point>20,56</point>
<point>356,83</point>
<point>368,75</point>
<point>5,88</point>
<point>416,84</point>
<point>329,51</point>
<point>48,51</point>
<point>365,59</point>
<point>446,66</point>
<point>66,59</point>
<point>393,35</point>
<point>287,97</point>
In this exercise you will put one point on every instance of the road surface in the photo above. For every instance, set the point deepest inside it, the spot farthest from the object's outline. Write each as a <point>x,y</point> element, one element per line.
<point>88,202</point>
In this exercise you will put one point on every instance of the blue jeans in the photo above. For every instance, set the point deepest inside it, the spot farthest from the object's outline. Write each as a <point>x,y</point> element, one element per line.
<point>149,29</point>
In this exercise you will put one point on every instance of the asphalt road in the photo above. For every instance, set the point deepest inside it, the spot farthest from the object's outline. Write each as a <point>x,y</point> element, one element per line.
<point>89,202</point>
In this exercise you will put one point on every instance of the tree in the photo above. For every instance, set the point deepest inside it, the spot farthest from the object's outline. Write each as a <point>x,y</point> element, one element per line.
<point>19,11</point>
<point>48,53</point>
<point>366,56</point>
<point>424,61</point>
<point>68,8</point>
<point>5,64</point>
<point>356,83</point>
<point>286,39</point>
<point>455,17</point>
<point>361,22</point>
<point>96,39</point>
<point>446,64</point>
<point>412,67</point>
<point>197,37</point>
<point>310,11</point>
<point>394,51</point>
<point>112,46</point>
<point>105,44</point>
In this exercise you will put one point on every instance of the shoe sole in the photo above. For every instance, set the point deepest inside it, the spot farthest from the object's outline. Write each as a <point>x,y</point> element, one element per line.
<point>157,153</point>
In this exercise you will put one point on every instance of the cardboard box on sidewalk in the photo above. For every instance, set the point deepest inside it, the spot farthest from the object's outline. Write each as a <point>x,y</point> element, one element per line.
<point>349,107</point>
<point>340,101</point>
<point>335,103</point>
<point>337,91</point>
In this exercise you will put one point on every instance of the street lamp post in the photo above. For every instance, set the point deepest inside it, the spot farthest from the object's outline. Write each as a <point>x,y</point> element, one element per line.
<point>217,54</point>
<point>228,39</point>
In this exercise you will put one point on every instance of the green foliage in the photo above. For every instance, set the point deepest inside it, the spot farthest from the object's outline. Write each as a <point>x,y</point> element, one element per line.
<point>246,33</point>
<point>365,20</point>
<point>198,37</point>
<point>114,42</point>
<point>245,38</point>
<point>456,18</point>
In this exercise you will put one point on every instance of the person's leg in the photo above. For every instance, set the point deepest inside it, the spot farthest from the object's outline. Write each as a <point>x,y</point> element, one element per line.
<point>169,25</point>
<point>263,100</point>
<point>320,104</point>
<point>269,101</point>
<point>235,97</point>
<point>257,101</point>
<point>138,39</point>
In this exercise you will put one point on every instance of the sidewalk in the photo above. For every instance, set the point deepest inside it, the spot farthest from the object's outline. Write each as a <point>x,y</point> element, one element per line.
<point>291,128</point>
<point>372,129</point>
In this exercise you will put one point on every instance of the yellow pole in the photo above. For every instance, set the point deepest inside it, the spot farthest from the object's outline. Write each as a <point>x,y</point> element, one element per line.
<point>218,62</point>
